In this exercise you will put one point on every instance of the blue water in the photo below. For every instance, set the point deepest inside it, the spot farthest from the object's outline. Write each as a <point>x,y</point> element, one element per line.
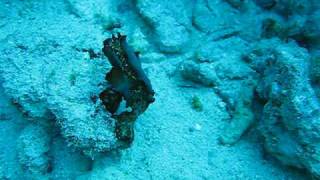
<point>235,85</point>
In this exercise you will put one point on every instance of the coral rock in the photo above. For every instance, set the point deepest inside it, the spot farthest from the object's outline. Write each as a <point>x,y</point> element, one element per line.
<point>290,121</point>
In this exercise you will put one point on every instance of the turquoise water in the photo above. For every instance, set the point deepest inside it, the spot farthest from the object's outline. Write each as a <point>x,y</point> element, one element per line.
<point>198,89</point>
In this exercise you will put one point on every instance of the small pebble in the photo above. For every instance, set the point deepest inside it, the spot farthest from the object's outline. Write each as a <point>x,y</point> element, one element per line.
<point>197,127</point>
<point>221,104</point>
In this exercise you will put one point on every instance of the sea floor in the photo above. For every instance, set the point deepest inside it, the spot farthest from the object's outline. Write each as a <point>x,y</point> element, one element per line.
<point>172,139</point>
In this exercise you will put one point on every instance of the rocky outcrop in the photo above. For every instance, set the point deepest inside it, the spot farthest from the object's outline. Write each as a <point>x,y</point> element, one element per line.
<point>223,70</point>
<point>286,7</point>
<point>170,21</point>
<point>63,89</point>
<point>292,19</point>
<point>290,118</point>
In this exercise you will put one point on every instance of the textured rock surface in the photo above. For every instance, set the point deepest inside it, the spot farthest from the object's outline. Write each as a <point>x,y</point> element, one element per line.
<point>33,147</point>
<point>61,88</point>
<point>232,80</point>
<point>290,117</point>
<point>170,20</point>
<point>52,70</point>
<point>291,19</point>
<point>287,7</point>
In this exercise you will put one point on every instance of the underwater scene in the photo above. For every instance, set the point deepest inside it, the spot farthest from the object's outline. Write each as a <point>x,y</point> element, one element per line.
<point>159,89</point>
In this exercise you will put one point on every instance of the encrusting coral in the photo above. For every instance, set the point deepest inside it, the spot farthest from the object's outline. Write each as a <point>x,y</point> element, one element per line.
<point>128,83</point>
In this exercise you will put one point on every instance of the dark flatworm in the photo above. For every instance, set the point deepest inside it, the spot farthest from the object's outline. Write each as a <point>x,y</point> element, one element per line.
<point>127,82</point>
